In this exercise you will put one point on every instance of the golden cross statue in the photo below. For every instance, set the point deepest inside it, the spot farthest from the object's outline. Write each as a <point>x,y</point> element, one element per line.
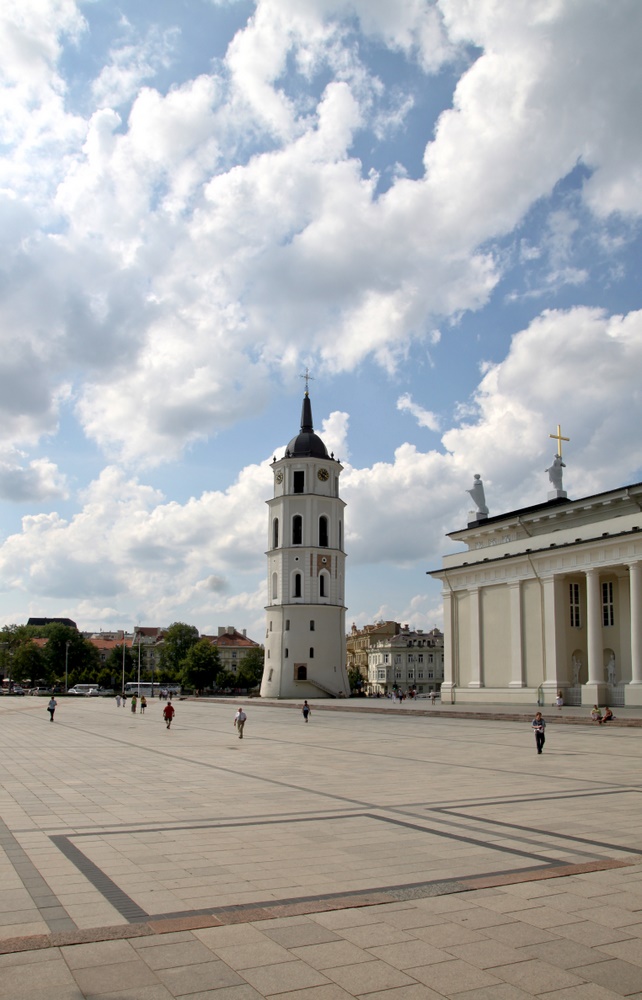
<point>307,378</point>
<point>558,437</point>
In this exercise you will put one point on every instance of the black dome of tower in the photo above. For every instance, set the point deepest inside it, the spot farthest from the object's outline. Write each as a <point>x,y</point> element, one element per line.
<point>306,444</point>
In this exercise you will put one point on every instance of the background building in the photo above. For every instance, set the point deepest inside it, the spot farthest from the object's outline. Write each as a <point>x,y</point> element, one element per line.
<point>410,660</point>
<point>360,641</point>
<point>232,647</point>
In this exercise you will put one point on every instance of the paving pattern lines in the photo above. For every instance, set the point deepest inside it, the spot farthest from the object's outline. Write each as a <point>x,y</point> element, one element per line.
<point>113,771</point>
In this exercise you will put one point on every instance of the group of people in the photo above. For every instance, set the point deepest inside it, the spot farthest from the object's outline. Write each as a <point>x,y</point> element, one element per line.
<point>597,716</point>
<point>539,724</point>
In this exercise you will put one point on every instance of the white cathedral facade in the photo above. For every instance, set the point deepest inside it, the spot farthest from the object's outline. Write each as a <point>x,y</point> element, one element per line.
<point>546,599</point>
<point>305,648</point>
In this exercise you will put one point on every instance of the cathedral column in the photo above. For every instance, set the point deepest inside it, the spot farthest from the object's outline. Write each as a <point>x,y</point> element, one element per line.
<point>593,627</point>
<point>635,579</point>
<point>448,682</point>
<point>516,655</point>
<point>476,680</point>
<point>551,628</point>
<point>594,691</point>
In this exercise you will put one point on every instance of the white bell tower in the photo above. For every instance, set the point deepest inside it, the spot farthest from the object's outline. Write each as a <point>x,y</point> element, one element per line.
<point>305,646</point>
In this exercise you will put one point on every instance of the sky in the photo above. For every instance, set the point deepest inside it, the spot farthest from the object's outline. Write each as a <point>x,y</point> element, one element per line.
<point>432,205</point>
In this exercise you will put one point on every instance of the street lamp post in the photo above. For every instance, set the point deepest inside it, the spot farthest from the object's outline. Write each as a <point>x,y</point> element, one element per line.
<point>67,645</point>
<point>122,689</point>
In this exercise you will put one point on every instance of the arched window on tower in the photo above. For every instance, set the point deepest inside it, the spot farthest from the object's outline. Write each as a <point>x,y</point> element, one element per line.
<point>274,586</point>
<point>340,535</point>
<point>275,533</point>
<point>323,532</point>
<point>297,585</point>
<point>297,529</point>
<point>324,584</point>
<point>302,673</point>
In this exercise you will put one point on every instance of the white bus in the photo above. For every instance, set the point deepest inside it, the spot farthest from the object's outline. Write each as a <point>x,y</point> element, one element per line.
<point>145,688</point>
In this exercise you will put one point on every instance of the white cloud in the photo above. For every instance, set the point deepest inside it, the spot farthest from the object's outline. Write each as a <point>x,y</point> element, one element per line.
<point>423,417</point>
<point>38,481</point>
<point>130,550</point>
<point>130,65</point>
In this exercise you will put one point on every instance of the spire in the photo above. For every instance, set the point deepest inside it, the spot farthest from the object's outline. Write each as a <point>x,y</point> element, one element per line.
<point>306,444</point>
<point>306,415</point>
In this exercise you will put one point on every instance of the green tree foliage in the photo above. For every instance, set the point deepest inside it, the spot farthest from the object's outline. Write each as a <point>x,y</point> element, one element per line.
<point>82,658</point>
<point>226,679</point>
<point>200,666</point>
<point>177,642</point>
<point>250,669</point>
<point>28,662</point>
<point>355,679</point>
<point>114,667</point>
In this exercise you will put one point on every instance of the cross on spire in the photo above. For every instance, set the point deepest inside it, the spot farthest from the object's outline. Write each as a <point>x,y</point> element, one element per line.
<point>558,437</point>
<point>308,378</point>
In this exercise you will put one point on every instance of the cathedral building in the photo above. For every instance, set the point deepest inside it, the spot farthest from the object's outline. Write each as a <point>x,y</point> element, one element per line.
<point>546,599</point>
<point>305,654</point>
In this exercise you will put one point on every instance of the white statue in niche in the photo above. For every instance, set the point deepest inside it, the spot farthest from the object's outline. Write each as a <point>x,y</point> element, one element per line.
<point>477,493</point>
<point>610,670</point>
<point>577,666</point>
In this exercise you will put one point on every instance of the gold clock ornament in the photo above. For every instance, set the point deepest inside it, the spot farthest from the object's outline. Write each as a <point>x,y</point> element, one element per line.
<point>323,474</point>
<point>279,477</point>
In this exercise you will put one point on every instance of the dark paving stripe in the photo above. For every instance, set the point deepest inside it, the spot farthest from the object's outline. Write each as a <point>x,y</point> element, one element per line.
<point>109,890</point>
<point>542,833</point>
<point>47,903</point>
<point>251,912</point>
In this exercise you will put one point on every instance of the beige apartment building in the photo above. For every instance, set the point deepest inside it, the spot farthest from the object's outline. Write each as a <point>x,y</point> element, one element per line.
<point>410,660</point>
<point>359,641</point>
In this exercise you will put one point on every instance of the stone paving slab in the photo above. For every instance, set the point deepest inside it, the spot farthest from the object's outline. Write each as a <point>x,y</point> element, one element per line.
<point>366,854</point>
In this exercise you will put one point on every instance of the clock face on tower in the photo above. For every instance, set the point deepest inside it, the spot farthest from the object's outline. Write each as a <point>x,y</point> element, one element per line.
<point>279,477</point>
<point>323,474</point>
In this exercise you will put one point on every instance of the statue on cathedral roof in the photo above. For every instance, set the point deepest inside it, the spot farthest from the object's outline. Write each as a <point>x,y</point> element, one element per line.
<point>555,472</point>
<point>477,493</point>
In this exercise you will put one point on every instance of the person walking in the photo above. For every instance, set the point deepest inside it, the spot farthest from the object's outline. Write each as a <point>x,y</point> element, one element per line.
<point>117,701</point>
<point>143,704</point>
<point>307,711</point>
<point>134,704</point>
<point>168,714</point>
<point>239,722</point>
<point>51,707</point>
<point>539,725</point>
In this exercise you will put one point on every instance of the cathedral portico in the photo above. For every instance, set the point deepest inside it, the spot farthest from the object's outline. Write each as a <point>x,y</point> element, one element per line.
<point>545,599</point>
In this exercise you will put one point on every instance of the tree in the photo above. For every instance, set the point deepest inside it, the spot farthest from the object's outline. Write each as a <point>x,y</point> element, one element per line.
<point>226,679</point>
<point>114,665</point>
<point>250,669</point>
<point>355,679</point>
<point>201,665</point>
<point>28,661</point>
<point>177,642</point>
<point>66,646</point>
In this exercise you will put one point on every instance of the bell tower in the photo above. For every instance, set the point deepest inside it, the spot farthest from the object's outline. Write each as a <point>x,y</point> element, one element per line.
<point>305,649</point>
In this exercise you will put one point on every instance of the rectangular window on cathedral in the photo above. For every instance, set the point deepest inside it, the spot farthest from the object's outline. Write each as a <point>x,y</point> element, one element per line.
<point>574,604</point>
<point>299,482</point>
<point>312,624</point>
<point>608,616</point>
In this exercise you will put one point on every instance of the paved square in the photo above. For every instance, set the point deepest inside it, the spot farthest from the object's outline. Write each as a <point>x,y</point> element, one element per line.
<point>368,853</point>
